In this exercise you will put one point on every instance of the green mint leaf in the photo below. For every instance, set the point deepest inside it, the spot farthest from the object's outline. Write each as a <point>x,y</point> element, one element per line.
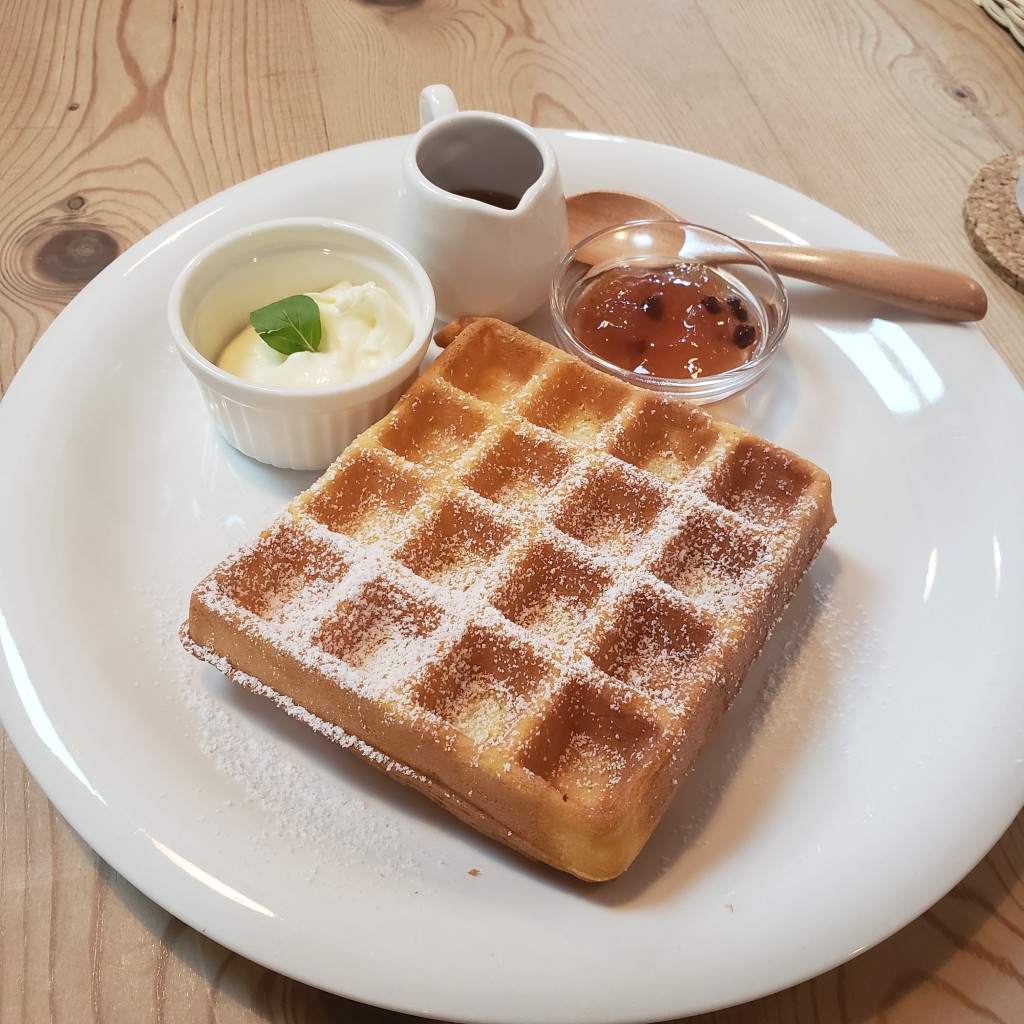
<point>289,325</point>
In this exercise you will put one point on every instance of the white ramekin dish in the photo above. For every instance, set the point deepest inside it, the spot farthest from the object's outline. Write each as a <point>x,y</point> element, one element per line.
<point>210,302</point>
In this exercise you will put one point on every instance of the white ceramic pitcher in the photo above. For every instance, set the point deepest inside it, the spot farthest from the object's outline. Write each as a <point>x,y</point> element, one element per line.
<point>481,206</point>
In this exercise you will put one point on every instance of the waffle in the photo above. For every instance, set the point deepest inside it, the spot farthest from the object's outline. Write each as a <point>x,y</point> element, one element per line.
<point>530,592</point>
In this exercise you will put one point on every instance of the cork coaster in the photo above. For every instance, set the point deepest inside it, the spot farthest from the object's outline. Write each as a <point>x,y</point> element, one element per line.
<point>993,219</point>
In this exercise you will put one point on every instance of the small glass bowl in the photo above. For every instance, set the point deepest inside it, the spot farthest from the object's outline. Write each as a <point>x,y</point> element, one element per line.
<point>658,245</point>
<point>290,427</point>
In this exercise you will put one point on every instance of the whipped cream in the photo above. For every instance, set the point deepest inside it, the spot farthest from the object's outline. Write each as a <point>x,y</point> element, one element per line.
<point>363,329</point>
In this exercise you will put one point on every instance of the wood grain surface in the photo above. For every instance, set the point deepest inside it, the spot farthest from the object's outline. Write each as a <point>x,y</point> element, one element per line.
<point>116,115</point>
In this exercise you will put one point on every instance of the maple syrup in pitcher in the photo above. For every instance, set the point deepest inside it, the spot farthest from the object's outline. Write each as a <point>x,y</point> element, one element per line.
<point>502,200</point>
<point>677,322</point>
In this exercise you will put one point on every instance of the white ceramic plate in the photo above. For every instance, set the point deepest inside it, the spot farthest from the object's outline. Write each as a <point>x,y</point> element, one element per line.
<point>874,756</point>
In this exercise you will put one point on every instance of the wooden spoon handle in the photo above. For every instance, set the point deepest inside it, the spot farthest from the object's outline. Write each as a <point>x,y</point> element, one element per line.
<point>934,291</point>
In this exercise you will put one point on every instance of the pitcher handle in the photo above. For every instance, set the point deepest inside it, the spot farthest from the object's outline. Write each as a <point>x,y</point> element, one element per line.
<point>437,101</point>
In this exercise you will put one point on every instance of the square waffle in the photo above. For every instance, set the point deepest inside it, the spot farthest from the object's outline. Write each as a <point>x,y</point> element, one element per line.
<point>530,592</point>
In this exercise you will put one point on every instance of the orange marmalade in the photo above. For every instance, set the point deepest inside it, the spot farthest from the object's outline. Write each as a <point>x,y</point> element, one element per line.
<point>680,321</point>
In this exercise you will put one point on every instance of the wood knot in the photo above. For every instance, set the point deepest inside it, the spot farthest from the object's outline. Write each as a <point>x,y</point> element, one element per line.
<point>74,256</point>
<point>75,202</point>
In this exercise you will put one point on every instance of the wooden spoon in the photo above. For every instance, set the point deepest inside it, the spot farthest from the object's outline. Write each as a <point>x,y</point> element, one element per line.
<point>920,287</point>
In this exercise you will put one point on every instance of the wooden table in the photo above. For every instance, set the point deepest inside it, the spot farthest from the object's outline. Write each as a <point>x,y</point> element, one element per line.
<point>116,115</point>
